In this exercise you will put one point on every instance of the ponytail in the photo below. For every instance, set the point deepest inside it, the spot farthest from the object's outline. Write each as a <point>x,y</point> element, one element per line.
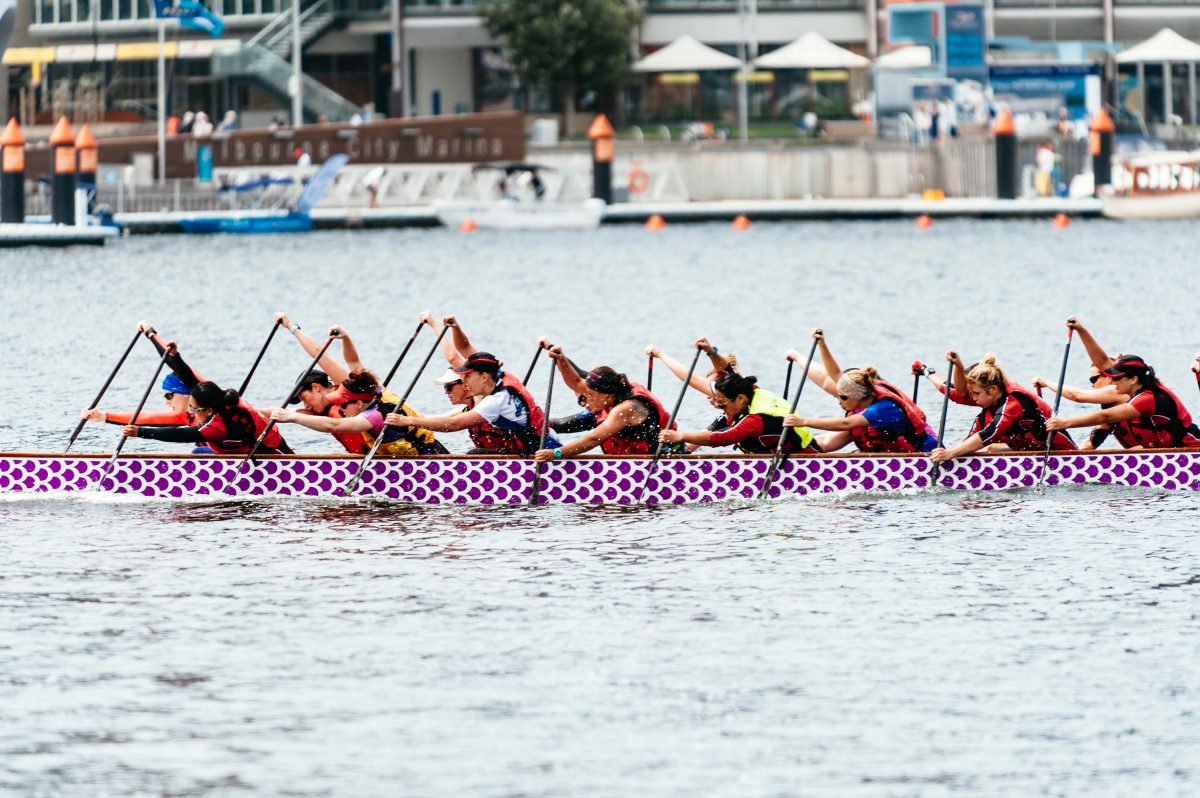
<point>987,374</point>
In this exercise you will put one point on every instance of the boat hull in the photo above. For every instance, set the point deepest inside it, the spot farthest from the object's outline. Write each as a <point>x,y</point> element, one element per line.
<point>588,480</point>
<point>248,225</point>
<point>1179,205</point>
<point>508,215</point>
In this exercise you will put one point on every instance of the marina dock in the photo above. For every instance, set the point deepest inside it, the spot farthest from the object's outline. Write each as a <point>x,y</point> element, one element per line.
<point>54,235</point>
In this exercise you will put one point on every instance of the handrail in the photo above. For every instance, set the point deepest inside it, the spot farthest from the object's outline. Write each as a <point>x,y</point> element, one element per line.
<point>276,36</point>
<point>269,28</point>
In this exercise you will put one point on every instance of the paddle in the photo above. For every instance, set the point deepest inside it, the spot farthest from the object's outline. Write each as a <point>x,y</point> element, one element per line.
<point>399,409</point>
<point>142,404</point>
<point>1062,376</point>
<point>670,423</point>
<point>650,373</point>
<point>537,471</point>
<point>246,382</point>
<point>295,386</point>
<point>778,456</point>
<point>937,467</point>
<point>403,354</point>
<point>918,368</point>
<point>533,363</point>
<point>787,380</point>
<point>104,388</point>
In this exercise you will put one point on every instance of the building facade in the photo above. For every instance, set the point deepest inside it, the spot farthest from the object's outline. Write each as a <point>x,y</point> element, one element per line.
<point>97,59</point>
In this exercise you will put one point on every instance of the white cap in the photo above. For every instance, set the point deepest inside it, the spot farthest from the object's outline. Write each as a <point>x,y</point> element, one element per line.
<point>449,377</point>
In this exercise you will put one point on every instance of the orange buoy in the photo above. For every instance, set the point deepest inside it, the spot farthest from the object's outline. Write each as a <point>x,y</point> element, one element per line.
<point>1061,220</point>
<point>656,222</point>
<point>924,222</point>
<point>468,226</point>
<point>740,222</point>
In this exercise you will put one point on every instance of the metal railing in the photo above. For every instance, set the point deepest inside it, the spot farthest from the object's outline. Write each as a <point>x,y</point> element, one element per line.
<point>258,62</point>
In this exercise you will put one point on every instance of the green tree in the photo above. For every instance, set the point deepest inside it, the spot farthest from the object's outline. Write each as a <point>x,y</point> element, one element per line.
<point>566,46</point>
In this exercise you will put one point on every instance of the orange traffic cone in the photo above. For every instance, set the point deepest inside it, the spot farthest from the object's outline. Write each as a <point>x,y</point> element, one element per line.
<point>656,222</point>
<point>468,226</point>
<point>924,222</point>
<point>740,222</point>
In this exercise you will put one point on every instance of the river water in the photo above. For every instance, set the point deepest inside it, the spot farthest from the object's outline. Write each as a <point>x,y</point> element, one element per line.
<point>929,644</point>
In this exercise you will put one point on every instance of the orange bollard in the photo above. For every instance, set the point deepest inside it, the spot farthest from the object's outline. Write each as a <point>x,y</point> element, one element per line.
<point>468,226</point>
<point>1061,220</point>
<point>924,222</point>
<point>656,222</point>
<point>12,174</point>
<point>62,173</point>
<point>740,222</point>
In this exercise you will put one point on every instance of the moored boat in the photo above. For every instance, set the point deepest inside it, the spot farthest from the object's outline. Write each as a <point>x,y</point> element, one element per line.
<point>585,480</point>
<point>516,214</point>
<point>1154,185</point>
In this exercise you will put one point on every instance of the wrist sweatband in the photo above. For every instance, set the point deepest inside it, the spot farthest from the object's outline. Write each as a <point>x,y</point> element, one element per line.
<point>558,455</point>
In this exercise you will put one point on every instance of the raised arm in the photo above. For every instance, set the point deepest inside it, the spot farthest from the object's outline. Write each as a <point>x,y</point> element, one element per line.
<point>349,350</point>
<point>719,362</point>
<point>452,355</point>
<point>461,343</point>
<point>960,373</point>
<point>336,371</point>
<point>679,370</point>
<point>1096,353</point>
<point>567,369</point>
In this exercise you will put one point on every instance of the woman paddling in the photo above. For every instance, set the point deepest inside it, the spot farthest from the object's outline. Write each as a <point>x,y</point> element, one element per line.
<point>1104,393</point>
<point>221,419</point>
<point>361,409</point>
<point>321,398</point>
<point>753,418</point>
<point>625,417</point>
<point>879,417</point>
<point>1153,418</point>
<point>175,394</point>
<point>1011,417</point>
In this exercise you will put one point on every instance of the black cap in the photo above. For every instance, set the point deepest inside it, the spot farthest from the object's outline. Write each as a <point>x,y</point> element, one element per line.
<point>314,377</point>
<point>1128,366</point>
<point>485,362</point>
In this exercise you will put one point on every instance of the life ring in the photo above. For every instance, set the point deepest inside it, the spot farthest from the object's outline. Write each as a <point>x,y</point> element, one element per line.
<point>639,181</point>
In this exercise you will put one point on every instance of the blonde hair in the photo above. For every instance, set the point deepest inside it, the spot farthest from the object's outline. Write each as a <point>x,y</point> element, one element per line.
<point>987,374</point>
<point>858,383</point>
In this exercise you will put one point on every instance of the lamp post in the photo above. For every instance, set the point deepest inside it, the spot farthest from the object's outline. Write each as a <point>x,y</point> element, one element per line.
<point>297,69</point>
<point>398,99</point>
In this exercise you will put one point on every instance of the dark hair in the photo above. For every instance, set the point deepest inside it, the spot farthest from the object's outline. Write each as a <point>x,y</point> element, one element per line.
<point>361,381</point>
<point>731,385</point>
<point>607,380</point>
<point>209,395</point>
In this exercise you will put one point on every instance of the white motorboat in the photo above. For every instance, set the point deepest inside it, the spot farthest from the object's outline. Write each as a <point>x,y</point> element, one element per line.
<point>1154,185</point>
<point>519,214</point>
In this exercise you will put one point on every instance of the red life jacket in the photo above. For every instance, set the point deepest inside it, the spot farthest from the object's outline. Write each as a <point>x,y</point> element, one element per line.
<point>1169,426</point>
<point>501,441</point>
<point>352,442</point>
<point>642,438</point>
<point>1030,435</point>
<point>242,425</point>
<point>870,439</point>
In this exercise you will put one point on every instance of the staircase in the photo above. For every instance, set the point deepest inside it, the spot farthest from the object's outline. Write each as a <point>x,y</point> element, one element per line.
<point>265,58</point>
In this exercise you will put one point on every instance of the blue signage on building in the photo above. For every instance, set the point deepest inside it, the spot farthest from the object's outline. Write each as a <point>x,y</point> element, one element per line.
<point>966,42</point>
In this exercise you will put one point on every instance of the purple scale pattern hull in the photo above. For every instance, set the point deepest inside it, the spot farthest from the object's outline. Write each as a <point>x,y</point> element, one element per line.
<point>594,480</point>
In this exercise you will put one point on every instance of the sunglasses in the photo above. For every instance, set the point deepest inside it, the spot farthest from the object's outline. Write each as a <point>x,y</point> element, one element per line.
<point>1092,380</point>
<point>448,387</point>
<point>169,395</point>
<point>842,397</point>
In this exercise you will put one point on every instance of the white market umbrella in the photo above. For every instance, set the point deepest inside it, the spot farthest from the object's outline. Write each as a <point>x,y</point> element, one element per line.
<point>811,51</point>
<point>686,54</point>
<point>912,56</point>
<point>1166,45</point>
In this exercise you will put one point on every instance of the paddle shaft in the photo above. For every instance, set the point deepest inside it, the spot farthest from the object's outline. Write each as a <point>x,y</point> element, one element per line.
<point>1062,376</point>
<point>104,388</point>
<point>299,381</point>
<point>399,409</point>
<point>787,380</point>
<point>532,365</point>
<point>141,405</point>
<point>941,439</point>
<point>537,471</point>
<point>650,373</point>
<point>246,382</point>
<point>776,458</point>
<point>671,421</point>
<point>916,386</point>
<point>395,366</point>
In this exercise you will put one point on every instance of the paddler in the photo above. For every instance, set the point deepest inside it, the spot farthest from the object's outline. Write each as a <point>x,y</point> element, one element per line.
<point>361,407</point>
<point>220,419</point>
<point>1011,418</point>
<point>175,394</point>
<point>1153,418</point>
<point>1102,393</point>
<point>322,399</point>
<point>753,419</point>
<point>625,417</point>
<point>879,417</point>
<point>506,420</point>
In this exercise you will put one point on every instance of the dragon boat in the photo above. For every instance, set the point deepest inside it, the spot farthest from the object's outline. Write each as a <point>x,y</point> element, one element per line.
<point>498,480</point>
